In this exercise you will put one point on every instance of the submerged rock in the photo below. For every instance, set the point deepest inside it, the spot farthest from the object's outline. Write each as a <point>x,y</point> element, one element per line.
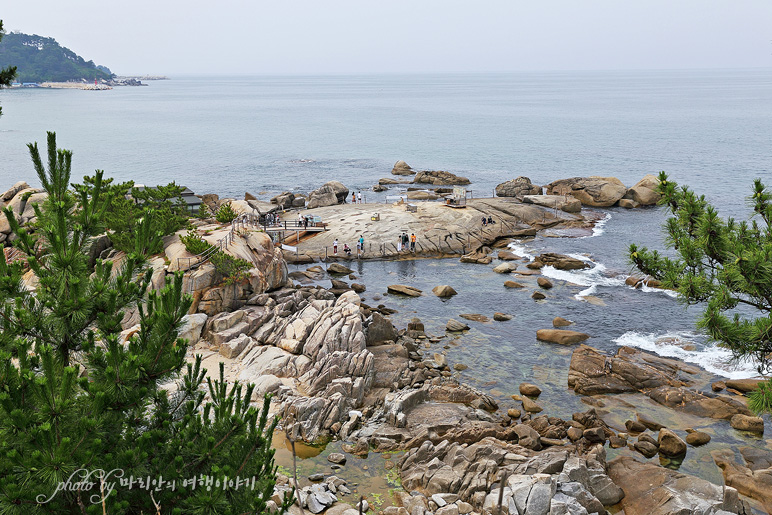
<point>402,289</point>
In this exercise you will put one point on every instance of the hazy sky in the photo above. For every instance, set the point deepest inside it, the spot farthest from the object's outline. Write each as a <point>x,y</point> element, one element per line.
<point>361,36</point>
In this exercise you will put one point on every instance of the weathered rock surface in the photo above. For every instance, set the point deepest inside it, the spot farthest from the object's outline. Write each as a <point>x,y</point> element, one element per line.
<point>329,194</point>
<point>513,284</point>
<point>402,168</point>
<point>664,380</point>
<point>591,191</point>
<point>454,325</point>
<point>650,489</point>
<point>565,203</point>
<point>562,262</point>
<point>517,188</point>
<point>670,444</point>
<point>750,423</point>
<point>379,330</point>
<point>402,289</point>
<point>444,291</point>
<point>752,478</point>
<point>439,178</point>
<point>644,193</point>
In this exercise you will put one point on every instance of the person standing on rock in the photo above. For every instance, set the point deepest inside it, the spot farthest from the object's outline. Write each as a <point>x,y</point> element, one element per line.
<point>399,243</point>
<point>335,246</point>
<point>353,197</point>
<point>360,245</point>
<point>405,239</point>
<point>359,197</point>
<point>412,242</point>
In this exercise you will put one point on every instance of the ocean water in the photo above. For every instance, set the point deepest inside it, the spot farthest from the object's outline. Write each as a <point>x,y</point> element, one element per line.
<point>709,129</point>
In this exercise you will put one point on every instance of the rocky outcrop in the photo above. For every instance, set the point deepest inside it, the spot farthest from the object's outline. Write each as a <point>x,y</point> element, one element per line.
<point>329,194</point>
<point>561,261</point>
<point>517,188</point>
<point>379,330</point>
<point>590,191</point>
<point>664,380</point>
<point>644,193</point>
<point>402,168</point>
<point>752,478</point>
<point>650,489</point>
<point>439,178</point>
<point>561,202</point>
<point>535,483</point>
<point>284,200</point>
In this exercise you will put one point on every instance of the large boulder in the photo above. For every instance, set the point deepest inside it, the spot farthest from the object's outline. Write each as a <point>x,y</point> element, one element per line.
<point>650,489</point>
<point>13,190</point>
<point>591,191</point>
<point>670,444</point>
<point>284,200</point>
<point>379,329</point>
<point>402,168</point>
<point>439,178</point>
<point>561,261</point>
<point>563,202</point>
<point>517,188</point>
<point>645,191</point>
<point>329,194</point>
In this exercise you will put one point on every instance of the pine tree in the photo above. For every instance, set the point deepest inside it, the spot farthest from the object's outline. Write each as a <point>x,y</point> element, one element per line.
<point>78,405</point>
<point>725,265</point>
<point>6,74</point>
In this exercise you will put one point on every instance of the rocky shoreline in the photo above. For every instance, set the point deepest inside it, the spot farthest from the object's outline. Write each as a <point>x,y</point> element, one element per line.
<point>338,368</point>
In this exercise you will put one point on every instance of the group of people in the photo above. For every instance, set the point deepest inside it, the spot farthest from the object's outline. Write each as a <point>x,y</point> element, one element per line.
<point>302,221</point>
<point>347,249</point>
<point>271,219</point>
<point>488,221</point>
<point>356,198</point>
<point>404,240</point>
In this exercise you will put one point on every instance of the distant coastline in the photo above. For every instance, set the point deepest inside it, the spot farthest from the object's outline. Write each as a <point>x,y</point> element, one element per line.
<point>96,86</point>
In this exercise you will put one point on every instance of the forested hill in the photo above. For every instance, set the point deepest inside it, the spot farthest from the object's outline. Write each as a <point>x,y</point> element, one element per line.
<point>40,59</point>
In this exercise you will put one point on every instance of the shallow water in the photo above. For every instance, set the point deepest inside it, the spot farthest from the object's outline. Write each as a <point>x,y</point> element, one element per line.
<point>501,355</point>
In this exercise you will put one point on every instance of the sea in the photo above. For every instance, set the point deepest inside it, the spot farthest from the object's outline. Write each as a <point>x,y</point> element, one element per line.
<point>708,129</point>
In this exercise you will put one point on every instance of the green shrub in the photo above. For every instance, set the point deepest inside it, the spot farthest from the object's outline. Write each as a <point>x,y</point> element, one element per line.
<point>194,243</point>
<point>225,214</point>
<point>203,211</point>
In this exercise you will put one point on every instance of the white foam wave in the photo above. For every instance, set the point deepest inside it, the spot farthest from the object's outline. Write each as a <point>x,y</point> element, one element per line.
<point>598,228</point>
<point>593,277</point>
<point>649,289</point>
<point>691,348</point>
<point>521,250</point>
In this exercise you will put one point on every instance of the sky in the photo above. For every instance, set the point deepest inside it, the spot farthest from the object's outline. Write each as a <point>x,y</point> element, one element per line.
<point>257,37</point>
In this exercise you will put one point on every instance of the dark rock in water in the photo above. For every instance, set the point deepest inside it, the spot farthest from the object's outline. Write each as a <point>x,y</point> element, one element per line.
<point>475,317</point>
<point>697,438</point>
<point>747,423</point>
<point>560,322</point>
<point>646,437</point>
<point>402,289</point>
<point>359,288</point>
<point>544,283</point>
<point>337,458</point>
<point>455,326</point>
<point>562,262</point>
<point>335,268</point>
<point>513,284</point>
<point>718,386</point>
<point>670,444</point>
<point>530,389</point>
<point>501,317</point>
<point>249,196</point>
<point>316,477</point>
<point>537,295</point>
<point>648,422</point>
<point>648,449</point>
<point>616,442</point>
<point>634,426</point>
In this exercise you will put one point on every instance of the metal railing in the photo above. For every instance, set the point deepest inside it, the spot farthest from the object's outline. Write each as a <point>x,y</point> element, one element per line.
<point>240,222</point>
